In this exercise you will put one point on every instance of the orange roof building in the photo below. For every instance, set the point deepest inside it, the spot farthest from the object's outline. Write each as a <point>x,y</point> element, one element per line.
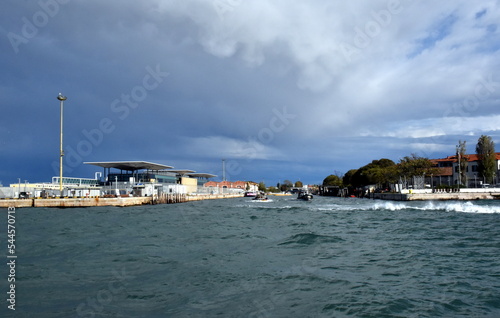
<point>448,168</point>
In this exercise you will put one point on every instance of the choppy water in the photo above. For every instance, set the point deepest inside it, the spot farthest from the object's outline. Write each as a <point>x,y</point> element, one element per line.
<point>236,258</point>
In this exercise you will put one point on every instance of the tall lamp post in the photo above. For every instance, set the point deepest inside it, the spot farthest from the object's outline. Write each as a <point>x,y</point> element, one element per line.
<point>61,98</point>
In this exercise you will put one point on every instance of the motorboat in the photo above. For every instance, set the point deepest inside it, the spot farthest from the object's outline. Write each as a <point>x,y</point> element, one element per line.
<point>304,195</point>
<point>261,196</point>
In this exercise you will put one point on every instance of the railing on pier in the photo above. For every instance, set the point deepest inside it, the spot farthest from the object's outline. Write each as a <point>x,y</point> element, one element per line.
<point>166,198</point>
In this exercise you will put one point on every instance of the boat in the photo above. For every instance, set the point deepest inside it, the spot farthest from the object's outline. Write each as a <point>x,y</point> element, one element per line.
<point>304,195</point>
<point>261,196</point>
<point>250,194</point>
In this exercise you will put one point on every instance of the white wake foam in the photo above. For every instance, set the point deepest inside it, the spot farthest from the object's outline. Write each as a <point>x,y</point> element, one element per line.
<point>449,206</point>
<point>467,207</point>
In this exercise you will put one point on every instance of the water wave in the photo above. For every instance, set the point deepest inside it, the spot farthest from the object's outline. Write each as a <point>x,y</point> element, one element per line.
<point>331,257</point>
<point>272,207</point>
<point>466,207</point>
<point>310,238</point>
<point>450,206</point>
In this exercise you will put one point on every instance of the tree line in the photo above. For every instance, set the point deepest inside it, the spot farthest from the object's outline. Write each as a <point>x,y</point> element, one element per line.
<point>384,172</point>
<point>287,185</point>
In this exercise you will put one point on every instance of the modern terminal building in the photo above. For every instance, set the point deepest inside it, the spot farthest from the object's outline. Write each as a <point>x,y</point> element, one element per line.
<point>119,178</point>
<point>142,178</point>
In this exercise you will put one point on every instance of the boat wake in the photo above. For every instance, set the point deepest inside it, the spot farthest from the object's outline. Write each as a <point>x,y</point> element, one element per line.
<point>266,200</point>
<point>465,207</point>
<point>462,207</point>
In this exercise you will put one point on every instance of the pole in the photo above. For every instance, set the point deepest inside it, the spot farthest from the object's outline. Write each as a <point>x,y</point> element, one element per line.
<point>61,152</point>
<point>223,169</point>
<point>61,99</point>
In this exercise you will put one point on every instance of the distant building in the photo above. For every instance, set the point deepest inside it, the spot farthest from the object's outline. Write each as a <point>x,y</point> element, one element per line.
<point>119,178</point>
<point>231,186</point>
<point>146,178</point>
<point>449,171</point>
<point>445,172</point>
<point>81,187</point>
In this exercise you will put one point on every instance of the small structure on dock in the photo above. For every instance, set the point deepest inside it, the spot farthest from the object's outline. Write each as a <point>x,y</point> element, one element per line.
<point>231,187</point>
<point>142,178</point>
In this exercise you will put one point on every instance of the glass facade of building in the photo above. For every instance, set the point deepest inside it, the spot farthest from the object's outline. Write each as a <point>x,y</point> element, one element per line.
<point>143,177</point>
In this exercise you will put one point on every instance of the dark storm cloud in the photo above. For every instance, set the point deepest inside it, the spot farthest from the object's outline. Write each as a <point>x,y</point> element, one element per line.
<point>304,88</point>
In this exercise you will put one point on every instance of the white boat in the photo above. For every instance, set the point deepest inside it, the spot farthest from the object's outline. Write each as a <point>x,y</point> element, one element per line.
<point>261,196</point>
<point>304,195</point>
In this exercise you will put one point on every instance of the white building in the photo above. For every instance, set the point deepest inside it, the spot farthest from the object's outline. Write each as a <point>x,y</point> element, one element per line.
<point>473,177</point>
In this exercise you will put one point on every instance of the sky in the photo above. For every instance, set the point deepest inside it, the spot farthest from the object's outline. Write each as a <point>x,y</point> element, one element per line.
<point>282,90</point>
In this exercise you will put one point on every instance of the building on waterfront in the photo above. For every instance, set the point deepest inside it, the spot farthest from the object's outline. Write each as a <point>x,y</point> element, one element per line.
<point>119,178</point>
<point>449,171</point>
<point>142,178</point>
<point>81,187</point>
<point>231,186</point>
<point>445,172</point>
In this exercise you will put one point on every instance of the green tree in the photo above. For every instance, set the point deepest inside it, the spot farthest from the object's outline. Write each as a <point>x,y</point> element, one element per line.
<point>287,185</point>
<point>413,165</point>
<point>262,186</point>
<point>332,180</point>
<point>272,189</point>
<point>347,178</point>
<point>485,150</point>
<point>463,161</point>
<point>299,184</point>
<point>381,172</point>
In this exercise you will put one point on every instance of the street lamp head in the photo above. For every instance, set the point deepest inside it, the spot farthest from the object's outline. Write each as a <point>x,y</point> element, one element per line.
<point>61,97</point>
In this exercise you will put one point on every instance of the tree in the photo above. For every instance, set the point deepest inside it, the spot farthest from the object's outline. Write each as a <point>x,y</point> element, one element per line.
<point>262,186</point>
<point>347,178</point>
<point>272,189</point>
<point>299,184</point>
<point>413,165</point>
<point>381,172</point>
<point>485,150</point>
<point>332,180</point>
<point>463,161</point>
<point>287,185</point>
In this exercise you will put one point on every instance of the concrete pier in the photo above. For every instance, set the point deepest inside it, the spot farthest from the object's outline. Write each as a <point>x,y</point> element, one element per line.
<point>212,197</point>
<point>16,203</point>
<point>115,201</point>
<point>73,202</point>
<point>465,196</point>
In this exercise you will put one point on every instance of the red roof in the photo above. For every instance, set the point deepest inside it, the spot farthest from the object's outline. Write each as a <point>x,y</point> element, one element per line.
<point>445,171</point>
<point>472,157</point>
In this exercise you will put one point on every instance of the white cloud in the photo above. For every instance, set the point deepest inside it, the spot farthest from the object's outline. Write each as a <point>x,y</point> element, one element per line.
<point>230,148</point>
<point>435,127</point>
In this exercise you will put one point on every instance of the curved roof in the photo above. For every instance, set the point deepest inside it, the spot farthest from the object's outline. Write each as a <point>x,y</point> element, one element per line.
<point>130,165</point>
<point>181,171</point>
<point>201,175</point>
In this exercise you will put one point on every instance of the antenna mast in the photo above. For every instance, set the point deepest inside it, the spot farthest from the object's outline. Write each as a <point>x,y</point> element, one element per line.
<point>223,169</point>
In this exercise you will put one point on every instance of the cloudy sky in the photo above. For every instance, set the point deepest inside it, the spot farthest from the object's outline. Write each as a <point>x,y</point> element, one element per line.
<point>281,89</point>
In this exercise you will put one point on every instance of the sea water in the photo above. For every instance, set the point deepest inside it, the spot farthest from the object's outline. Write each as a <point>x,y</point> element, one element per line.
<point>330,257</point>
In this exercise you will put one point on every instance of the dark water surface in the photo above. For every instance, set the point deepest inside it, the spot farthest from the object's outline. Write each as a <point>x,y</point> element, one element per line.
<point>236,258</point>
